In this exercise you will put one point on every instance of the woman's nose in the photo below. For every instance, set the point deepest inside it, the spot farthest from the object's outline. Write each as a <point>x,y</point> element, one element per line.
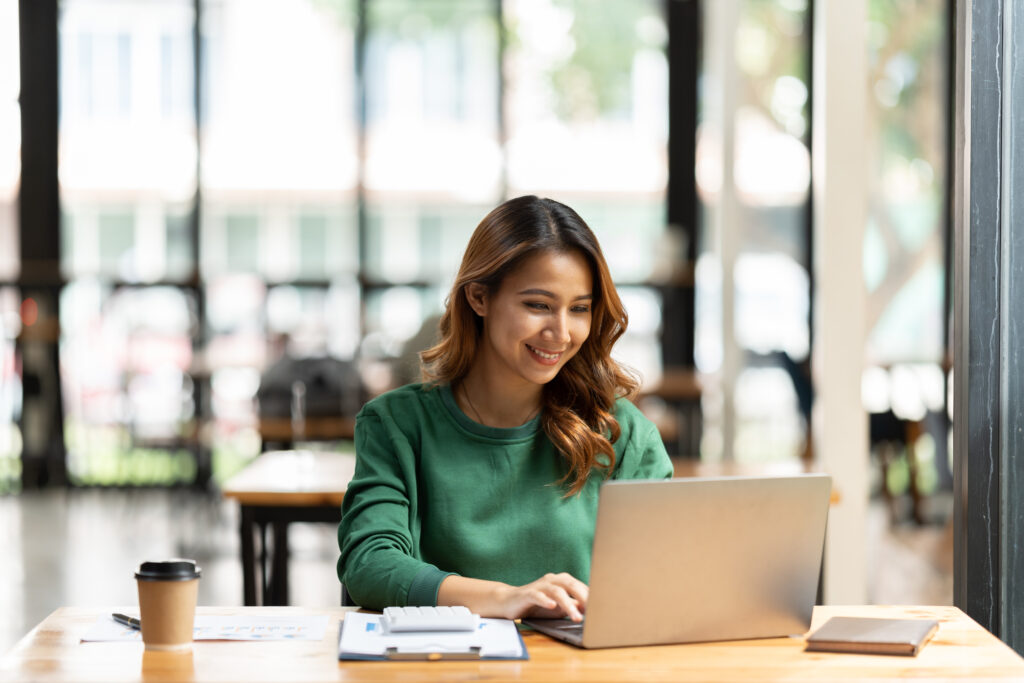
<point>558,328</point>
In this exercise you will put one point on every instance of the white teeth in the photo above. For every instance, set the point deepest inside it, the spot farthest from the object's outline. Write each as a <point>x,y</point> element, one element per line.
<point>545,356</point>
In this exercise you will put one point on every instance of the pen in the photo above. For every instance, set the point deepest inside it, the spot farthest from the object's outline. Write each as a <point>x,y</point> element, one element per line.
<point>130,622</point>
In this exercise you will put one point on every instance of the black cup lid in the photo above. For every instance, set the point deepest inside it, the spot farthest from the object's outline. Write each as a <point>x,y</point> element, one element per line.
<point>168,570</point>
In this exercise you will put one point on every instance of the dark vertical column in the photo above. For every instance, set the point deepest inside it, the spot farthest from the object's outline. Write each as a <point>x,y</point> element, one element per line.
<point>678,323</point>
<point>808,217</point>
<point>1012,456</point>
<point>39,200</point>
<point>362,227</point>
<point>800,371</point>
<point>945,473</point>
<point>977,426</point>
<point>678,312</point>
<point>201,385</point>
<point>989,317</point>
<point>41,423</point>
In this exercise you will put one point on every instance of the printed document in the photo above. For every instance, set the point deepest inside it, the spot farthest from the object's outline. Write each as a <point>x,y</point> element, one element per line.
<point>224,627</point>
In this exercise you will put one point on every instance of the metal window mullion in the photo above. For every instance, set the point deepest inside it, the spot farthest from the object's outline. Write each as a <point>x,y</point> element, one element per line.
<point>362,229</point>
<point>961,292</point>
<point>808,213</point>
<point>984,316</point>
<point>201,385</point>
<point>1012,418</point>
<point>985,357</point>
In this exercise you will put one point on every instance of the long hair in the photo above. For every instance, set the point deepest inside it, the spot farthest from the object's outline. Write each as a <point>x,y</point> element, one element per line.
<point>577,406</point>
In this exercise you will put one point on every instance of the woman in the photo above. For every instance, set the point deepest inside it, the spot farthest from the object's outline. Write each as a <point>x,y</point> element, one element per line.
<point>479,487</point>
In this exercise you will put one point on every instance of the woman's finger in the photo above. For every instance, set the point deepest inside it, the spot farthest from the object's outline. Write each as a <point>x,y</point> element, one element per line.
<point>566,602</point>
<point>543,599</point>
<point>575,588</point>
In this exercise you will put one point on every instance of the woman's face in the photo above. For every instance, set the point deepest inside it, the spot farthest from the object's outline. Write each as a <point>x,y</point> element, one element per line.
<point>538,318</point>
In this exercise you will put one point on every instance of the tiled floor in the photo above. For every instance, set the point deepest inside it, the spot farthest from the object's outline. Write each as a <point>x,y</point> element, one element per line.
<point>80,548</point>
<point>911,564</point>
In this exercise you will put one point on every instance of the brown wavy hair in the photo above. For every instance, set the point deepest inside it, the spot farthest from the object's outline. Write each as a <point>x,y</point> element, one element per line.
<point>577,406</point>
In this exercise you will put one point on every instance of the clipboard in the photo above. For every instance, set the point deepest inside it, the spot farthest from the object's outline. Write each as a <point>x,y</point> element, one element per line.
<point>396,653</point>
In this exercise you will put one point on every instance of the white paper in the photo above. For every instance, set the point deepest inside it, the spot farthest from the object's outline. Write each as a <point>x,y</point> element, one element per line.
<point>362,634</point>
<point>221,627</point>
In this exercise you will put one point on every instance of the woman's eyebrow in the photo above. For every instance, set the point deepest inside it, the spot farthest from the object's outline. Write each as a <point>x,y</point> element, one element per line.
<point>551,295</point>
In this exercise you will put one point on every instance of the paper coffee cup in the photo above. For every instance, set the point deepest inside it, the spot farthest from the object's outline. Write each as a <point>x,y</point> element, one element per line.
<point>162,666</point>
<point>167,603</point>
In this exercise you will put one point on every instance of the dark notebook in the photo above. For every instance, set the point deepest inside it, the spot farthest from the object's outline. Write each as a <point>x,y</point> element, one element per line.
<point>873,636</point>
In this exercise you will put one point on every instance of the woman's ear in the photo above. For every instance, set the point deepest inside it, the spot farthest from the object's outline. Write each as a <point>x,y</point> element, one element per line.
<point>476,296</point>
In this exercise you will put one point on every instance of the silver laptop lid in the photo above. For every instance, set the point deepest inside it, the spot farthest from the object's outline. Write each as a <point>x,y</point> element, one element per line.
<point>698,559</point>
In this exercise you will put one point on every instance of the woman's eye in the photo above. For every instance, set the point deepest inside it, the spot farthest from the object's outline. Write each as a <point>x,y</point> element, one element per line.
<point>581,309</point>
<point>536,305</point>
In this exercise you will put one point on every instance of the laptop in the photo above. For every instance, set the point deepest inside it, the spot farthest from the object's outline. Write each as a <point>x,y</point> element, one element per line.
<point>701,559</point>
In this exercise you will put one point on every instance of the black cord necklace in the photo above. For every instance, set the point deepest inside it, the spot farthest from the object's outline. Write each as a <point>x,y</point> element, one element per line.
<point>476,413</point>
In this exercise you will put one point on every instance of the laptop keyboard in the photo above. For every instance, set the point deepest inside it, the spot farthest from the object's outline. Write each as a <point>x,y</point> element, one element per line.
<point>571,627</point>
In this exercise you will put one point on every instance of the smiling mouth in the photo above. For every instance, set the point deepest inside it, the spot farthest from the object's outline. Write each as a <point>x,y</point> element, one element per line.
<point>544,355</point>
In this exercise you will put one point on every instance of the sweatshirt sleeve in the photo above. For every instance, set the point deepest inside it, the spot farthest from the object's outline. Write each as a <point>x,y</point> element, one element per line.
<point>378,563</point>
<point>643,455</point>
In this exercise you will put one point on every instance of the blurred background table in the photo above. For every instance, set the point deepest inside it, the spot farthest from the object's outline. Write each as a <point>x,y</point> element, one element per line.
<point>281,431</point>
<point>681,424</point>
<point>276,489</point>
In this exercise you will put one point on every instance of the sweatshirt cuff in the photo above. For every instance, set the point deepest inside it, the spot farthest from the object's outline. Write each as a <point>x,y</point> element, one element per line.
<point>424,586</point>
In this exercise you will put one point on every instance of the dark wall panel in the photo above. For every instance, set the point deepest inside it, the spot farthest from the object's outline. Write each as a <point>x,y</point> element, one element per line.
<point>989,316</point>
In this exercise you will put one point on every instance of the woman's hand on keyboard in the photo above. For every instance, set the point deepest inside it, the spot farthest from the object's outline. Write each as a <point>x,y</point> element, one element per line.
<point>552,596</point>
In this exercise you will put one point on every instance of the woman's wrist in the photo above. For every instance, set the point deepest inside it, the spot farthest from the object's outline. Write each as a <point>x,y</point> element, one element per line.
<point>499,598</point>
<point>486,598</point>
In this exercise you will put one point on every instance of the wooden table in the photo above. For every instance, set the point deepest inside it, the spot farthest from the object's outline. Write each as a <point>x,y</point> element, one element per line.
<point>680,389</point>
<point>281,430</point>
<point>277,488</point>
<point>961,650</point>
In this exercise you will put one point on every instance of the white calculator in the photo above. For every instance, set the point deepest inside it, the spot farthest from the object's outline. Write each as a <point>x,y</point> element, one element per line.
<point>412,619</point>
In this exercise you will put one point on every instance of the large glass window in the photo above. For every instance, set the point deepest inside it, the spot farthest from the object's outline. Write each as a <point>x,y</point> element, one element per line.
<point>127,137</point>
<point>127,183</point>
<point>10,391</point>
<point>772,170</point>
<point>904,246</point>
<point>10,173</point>
<point>903,251</point>
<point>279,171</point>
<point>344,153</point>
<point>433,164</point>
<point>279,158</point>
<point>10,138</point>
<point>126,353</point>
<point>588,125</point>
<point>770,283</point>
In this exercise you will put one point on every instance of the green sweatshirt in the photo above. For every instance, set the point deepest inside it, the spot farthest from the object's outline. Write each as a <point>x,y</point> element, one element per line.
<point>436,493</point>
